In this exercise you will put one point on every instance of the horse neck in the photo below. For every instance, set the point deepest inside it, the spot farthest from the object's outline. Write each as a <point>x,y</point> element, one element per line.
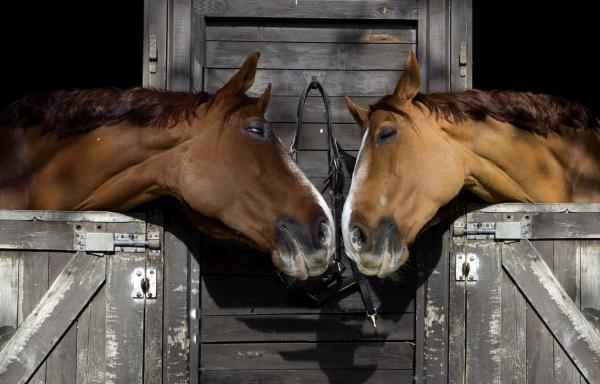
<point>109,168</point>
<point>506,163</point>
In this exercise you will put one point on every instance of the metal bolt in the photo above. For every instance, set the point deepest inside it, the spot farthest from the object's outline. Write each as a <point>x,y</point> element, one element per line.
<point>149,294</point>
<point>139,294</point>
<point>472,258</point>
<point>152,272</point>
<point>460,256</point>
<point>139,273</point>
<point>470,277</point>
<point>461,278</point>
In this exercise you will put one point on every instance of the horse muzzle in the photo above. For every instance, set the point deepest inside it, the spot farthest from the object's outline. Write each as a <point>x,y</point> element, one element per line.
<point>377,251</point>
<point>302,250</point>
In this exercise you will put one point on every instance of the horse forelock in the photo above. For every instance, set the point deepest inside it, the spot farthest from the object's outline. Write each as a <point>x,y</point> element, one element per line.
<point>538,113</point>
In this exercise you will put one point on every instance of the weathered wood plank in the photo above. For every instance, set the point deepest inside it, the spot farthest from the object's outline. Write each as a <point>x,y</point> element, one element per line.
<point>590,281</point>
<point>282,109</point>
<point>91,330</point>
<point>314,136</point>
<point>9,293</point>
<point>379,376</point>
<point>179,36</point>
<point>33,284</point>
<point>155,23</point>
<point>292,82</point>
<point>567,263</point>
<point>61,363</point>
<point>309,56</point>
<point>315,163</point>
<point>51,317</point>
<point>306,328</point>
<point>456,315</point>
<point>336,9</point>
<point>484,314</point>
<point>366,355</point>
<point>265,295</point>
<point>176,326</point>
<point>153,315</point>
<point>568,325</point>
<point>514,333</point>
<point>349,33</point>
<point>36,235</point>
<point>540,360</point>
<point>68,216</point>
<point>584,225</point>
<point>124,349</point>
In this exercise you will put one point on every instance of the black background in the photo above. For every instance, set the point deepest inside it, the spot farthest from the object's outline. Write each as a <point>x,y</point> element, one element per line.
<point>517,45</point>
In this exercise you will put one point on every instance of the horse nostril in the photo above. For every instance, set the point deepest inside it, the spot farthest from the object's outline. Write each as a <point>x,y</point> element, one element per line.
<point>357,238</point>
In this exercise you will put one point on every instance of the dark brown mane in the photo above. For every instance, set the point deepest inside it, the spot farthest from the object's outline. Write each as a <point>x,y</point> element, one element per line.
<point>539,113</point>
<point>74,112</point>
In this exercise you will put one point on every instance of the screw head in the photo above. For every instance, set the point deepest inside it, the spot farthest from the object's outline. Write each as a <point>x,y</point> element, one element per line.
<point>139,294</point>
<point>471,278</point>
<point>149,294</point>
<point>152,272</point>
<point>460,256</point>
<point>139,273</point>
<point>472,258</point>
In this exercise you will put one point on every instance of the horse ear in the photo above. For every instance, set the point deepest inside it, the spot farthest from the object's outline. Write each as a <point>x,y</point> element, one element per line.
<point>242,80</point>
<point>410,81</point>
<point>361,115</point>
<point>263,100</point>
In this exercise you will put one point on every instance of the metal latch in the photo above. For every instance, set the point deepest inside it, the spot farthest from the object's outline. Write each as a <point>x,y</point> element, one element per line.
<point>144,283</point>
<point>152,53</point>
<point>462,59</point>
<point>466,267</point>
<point>112,242</point>
<point>502,230</point>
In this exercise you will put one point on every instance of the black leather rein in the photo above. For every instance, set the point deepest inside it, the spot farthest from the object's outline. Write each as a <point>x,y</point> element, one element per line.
<point>338,160</point>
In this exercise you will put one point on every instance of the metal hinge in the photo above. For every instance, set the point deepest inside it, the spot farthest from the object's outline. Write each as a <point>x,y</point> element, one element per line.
<point>462,59</point>
<point>116,242</point>
<point>152,53</point>
<point>466,267</point>
<point>501,230</point>
<point>144,283</point>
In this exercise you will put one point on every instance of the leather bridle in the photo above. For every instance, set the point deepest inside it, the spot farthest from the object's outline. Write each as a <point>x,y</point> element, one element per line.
<point>338,160</point>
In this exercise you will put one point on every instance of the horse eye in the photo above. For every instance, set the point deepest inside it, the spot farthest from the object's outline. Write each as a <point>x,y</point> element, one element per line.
<point>386,135</point>
<point>256,129</point>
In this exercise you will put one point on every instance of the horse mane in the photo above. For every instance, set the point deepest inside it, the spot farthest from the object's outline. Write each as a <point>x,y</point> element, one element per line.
<point>538,113</point>
<point>68,113</point>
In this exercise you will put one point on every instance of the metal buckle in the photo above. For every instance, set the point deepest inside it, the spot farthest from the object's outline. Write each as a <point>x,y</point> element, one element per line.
<point>373,318</point>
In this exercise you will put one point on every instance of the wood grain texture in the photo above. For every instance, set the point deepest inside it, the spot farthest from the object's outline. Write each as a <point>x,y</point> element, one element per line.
<point>155,22</point>
<point>306,328</point>
<point>365,355</point>
<point>36,235</point>
<point>336,9</point>
<point>179,37</point>
<point>9,290</point>
<point>91,329</point>
<point>314,136</point>
<point>550,225</point>
<point>57,309</point>
<point>307,56</point>
<point>380,376</point>
<point>283,109</point>
<point>513,363</point>
<point>289,82</point>
<point>344,33</point>
<point>559,313</point>
<point>456,317</point>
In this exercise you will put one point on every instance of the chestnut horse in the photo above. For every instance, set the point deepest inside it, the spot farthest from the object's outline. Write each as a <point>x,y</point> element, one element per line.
<point>419,151</point>
<point>114,150</point>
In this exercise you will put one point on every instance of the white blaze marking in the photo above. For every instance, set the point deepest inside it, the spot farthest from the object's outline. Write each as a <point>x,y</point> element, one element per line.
<point>357,177</point>
<point>382,201</point>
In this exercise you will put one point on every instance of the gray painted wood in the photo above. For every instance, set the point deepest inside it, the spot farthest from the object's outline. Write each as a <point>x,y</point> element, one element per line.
<point>198,52</point>
<point>284,108</point>
<point>484,314</point>
<point>179,46</point>
<point>435,47</point>
<point>314,136</point>
<point>33,284</point>
<point>336,9</point>
<point>194,312</point>
<point>380,376</point>
<point>91,329</point>
<point>456,312</point>
<point>584,225</point>
<point>51,317</point>
<point>559,313</point>
<point>307,56</point>
<point>291,82</point>
<point>461,26</point>
<point>306,328</point>
<point>153,316</point>
<point>61,363</point>
<point>540,342</point>
<point>567,270</point>
<point>349,33</point>
<point>176,326</point>
<point>590,281</point>
<point>314,163</point>
<point>365,355</point>
<point>513,363</point>
<point>155,23</point>
<point>68,216</point>
<point>36,235</point>
<point>9,290</point>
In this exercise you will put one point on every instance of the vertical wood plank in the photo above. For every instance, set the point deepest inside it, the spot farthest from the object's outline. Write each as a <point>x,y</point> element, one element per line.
<point>153,318</point>
<point>33,284</point>
<point>567,271</point>
<point>176,327</point>
<point>540,343</point>
<point>9,293</point>
<point>437,46</point>
<point>61,364</point>
<point>155,23</point>
<point>91,328</point>
<point>590,280</point>
<point>457,314</point>
<point>460,24</point>
<point>198,46</point>
<point>179,60</point>
<point>514,326</point>
<point>484,314</point>
<point>194,314</point>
